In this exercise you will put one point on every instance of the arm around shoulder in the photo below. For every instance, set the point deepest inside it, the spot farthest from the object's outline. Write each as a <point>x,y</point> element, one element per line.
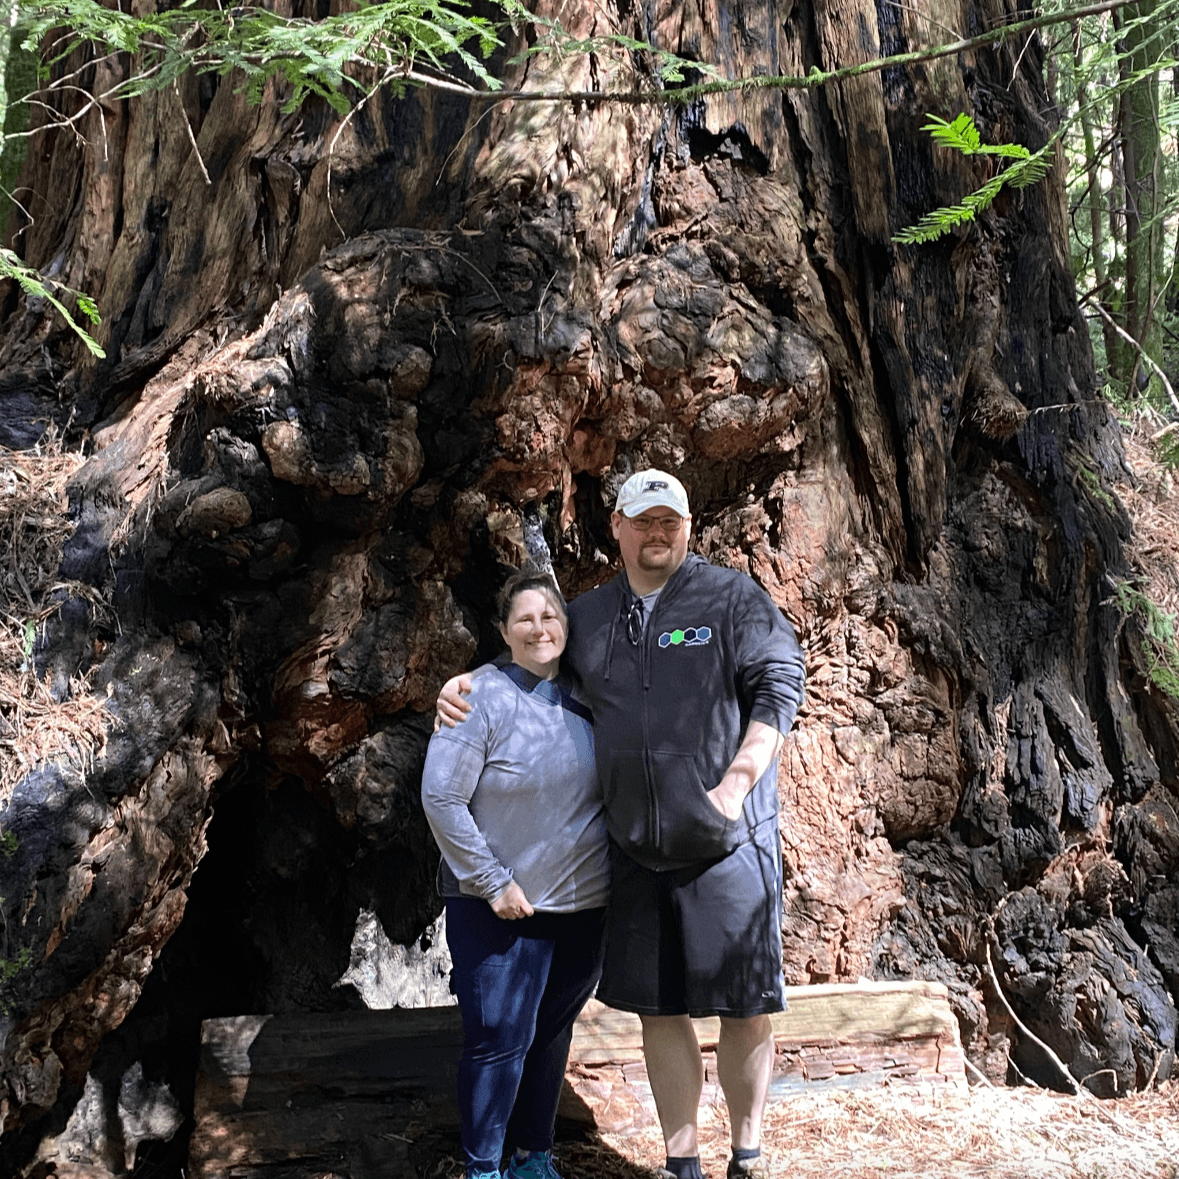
<point>452,706</point>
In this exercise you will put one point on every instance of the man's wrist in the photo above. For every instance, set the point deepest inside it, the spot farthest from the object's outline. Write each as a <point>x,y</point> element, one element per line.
<point>737,782</point>
<point>731,792</point>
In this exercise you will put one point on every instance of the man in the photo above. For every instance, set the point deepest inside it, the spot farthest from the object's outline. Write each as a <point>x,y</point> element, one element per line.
<point>694,676</point>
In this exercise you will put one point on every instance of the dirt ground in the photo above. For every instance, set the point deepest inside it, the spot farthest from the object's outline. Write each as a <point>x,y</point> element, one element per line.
<point>925,1131</point>
<point>910,1131</point>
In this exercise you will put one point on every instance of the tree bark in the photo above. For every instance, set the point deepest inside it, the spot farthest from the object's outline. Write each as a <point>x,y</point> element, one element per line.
<point>316,450</point>
<point>1093,190</point>
<point>1140,138</point>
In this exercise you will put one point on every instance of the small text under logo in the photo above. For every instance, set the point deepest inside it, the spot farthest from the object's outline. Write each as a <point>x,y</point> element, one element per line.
<point>694,636</point>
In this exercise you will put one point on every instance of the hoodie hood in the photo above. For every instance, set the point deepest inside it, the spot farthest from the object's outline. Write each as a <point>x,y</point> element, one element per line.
<point>627,597</point>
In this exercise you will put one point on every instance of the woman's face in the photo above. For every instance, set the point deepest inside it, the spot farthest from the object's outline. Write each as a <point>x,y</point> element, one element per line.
<point>535,632</point>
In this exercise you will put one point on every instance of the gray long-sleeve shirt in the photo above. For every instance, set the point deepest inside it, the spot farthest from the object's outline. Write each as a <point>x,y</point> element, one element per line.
<point>513,793</point>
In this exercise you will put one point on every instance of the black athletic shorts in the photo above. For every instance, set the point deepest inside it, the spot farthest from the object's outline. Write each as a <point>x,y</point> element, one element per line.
<point>702,940</point>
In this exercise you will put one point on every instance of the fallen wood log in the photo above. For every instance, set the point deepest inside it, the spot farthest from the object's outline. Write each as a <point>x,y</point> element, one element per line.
<point>350,1094</point>
<point>838,1035</point>
<point>322,1095</point>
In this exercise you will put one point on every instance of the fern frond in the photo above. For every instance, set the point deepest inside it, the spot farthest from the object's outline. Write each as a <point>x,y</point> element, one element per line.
<point>36,286</point>
<point>961,135</point>
<point>1027,168</point>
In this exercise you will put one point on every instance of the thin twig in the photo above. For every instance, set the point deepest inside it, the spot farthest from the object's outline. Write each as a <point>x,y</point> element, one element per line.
<point>463,136</point>
<point>389,73</point>
<point>1066,405</point>
<point>57,120</point>
<point>57,83</point>
<point>60,120</point>
<point>1025,1030</point>
<point>191,137</point>
<point>539,317</point>
<point>1101,1072</point>
<point>1018,60</point>
<point>12,197</point>
<point>977,1072</point>
<point>916,12</point>
<point>1117,327</point>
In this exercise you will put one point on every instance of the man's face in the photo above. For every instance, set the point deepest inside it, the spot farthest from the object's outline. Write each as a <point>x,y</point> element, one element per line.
<point>653,543</point>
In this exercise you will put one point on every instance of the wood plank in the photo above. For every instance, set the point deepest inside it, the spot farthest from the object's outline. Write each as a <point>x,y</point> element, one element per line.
<point>355,1053</point>
<point>833,1012</point>
<point>349,1093</point>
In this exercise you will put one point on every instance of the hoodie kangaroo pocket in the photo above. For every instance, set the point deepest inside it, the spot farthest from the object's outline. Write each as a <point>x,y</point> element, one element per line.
<point>690,828</point>
<point>626,799</point>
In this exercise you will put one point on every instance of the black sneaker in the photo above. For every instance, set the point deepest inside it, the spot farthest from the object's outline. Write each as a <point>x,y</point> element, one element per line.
<point>748,1169</point>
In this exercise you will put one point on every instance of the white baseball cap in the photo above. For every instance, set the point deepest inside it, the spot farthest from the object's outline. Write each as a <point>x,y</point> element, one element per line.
<point>652,489</point>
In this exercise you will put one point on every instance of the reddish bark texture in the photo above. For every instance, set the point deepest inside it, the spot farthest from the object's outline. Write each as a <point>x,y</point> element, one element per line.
<point>315,452</point>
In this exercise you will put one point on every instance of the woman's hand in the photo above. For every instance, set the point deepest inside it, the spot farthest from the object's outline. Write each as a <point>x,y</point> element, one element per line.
<point>451,708</point>
<point>511,903</point>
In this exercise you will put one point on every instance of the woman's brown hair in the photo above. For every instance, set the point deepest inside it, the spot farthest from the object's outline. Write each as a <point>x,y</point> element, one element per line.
<point>529,577</point>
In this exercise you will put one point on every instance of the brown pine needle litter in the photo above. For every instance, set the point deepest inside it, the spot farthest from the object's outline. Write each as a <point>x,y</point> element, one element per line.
<point>907,1131</point>
<point>1152,501</point>
<point>36,728</point>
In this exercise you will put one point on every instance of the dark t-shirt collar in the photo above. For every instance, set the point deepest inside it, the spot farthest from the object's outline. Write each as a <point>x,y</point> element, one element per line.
<point>556,691</point>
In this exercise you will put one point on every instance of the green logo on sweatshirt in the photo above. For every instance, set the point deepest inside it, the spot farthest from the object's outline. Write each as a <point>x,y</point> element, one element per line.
<point>694,636</point>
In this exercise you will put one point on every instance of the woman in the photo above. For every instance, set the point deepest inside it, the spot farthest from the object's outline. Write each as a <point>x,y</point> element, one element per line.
<point>513,800</point>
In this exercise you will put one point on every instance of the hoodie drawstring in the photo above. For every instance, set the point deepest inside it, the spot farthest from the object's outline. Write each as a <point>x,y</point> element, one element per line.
<point>613,632</point>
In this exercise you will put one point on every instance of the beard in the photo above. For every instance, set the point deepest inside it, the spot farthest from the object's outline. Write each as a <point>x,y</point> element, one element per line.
<point>655,556</point>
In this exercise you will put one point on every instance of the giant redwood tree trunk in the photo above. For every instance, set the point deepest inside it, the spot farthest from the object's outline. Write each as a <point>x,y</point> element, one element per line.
<point>326,426</point>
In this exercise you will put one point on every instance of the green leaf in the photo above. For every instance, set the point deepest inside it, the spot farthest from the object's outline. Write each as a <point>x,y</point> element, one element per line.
<point>962,136</point>
<point>35,286</point>
<point>89,309</point>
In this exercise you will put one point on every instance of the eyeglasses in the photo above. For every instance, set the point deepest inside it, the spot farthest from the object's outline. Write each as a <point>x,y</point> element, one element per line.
<point>668,524</point>
<point>634,622</point>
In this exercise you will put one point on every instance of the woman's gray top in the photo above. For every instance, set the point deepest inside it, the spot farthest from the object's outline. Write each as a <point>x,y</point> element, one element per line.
<point>512,793</point>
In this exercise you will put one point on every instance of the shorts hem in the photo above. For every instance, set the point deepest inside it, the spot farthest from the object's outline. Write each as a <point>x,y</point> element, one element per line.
<point>772,1007</point>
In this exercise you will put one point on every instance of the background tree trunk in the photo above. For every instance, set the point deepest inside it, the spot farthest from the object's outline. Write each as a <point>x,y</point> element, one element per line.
<point>325,427</point>
<point>1139,135</point>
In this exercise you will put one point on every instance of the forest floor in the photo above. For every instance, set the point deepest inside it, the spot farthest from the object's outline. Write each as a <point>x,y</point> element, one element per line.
<point>910,1131</point>
<point>943,1132</point>
<point>38,722</point>
<point>1152,500</point>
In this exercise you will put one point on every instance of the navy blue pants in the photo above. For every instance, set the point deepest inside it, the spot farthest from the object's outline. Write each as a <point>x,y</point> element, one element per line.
<point>520,985</point>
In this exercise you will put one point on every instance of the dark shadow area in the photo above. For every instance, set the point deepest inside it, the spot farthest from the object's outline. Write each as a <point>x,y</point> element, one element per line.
<point>265,935</point>
<point>359,1094</point>
<point>267,928</point>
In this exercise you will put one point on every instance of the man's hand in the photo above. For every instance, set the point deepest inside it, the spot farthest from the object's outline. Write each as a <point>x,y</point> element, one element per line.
<point>511,903</point>
<point>757,750</point>
<point>729,796</point>
<point>451,708</point>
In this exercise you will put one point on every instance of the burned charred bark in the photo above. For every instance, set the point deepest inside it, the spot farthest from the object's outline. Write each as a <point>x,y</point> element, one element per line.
<point>322,434</point>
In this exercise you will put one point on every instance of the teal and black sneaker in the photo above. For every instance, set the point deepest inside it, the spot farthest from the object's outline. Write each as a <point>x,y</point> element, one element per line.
<point>538,1165</point>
